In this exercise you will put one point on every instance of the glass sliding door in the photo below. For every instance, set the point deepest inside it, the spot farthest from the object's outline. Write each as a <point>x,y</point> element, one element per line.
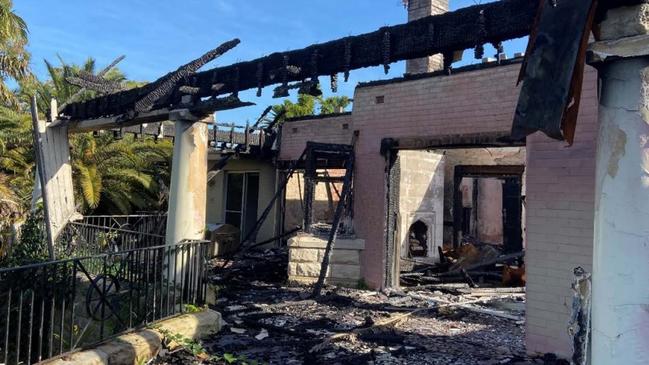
<point>242,200</point>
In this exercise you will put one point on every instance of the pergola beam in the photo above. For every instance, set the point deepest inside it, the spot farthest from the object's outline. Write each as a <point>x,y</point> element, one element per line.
<point>201,110</point>
<point>457,30</point>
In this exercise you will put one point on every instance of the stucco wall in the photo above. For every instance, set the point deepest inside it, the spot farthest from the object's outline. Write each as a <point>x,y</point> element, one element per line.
<point>560,215</point>
<point>490,210</point>
<point>267,188</point>
<point>473,156</point>
<point>470,102</point>
<point>559,181</point>
<point>330,129</point>
<point>421,197</point>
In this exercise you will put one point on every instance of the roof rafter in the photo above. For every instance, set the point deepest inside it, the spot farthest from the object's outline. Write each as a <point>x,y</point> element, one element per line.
<point>445,33</point>
<point>457,30</point>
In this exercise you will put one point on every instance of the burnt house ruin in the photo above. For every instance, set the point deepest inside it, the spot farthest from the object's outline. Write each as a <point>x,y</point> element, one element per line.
<point>424,163</point>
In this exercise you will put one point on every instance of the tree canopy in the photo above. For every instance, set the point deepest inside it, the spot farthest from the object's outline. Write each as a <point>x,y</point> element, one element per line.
<point>311,105</point>
<point>14,58</point>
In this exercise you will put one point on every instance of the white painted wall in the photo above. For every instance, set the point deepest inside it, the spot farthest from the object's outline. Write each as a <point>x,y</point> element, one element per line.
<point>267,188</point>
<point>421,197</point>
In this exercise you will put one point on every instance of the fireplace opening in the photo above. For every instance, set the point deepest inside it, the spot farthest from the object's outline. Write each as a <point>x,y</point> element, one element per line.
<point>418,240</point>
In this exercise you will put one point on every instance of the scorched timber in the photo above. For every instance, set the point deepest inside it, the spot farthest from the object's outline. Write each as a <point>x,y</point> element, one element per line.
<point>200,110</point>
<point>457,30</point>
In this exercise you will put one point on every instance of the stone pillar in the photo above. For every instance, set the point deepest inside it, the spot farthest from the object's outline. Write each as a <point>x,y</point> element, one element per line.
<point>188,190</point>
<point>418,9</point>
<point>620,301</point>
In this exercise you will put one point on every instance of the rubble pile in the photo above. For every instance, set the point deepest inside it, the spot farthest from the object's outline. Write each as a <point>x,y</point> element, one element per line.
<point>268,322</point>
<point>472,263</point>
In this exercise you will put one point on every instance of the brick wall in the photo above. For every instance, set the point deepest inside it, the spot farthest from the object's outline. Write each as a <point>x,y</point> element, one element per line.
<point>560,214</point>
<point>332,129</point>
<point>463,103</point>
<point>560,181</point>
<point>473,156</point>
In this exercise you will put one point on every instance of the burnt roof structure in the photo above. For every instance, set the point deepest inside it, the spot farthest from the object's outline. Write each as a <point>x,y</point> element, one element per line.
<point>465,28</point>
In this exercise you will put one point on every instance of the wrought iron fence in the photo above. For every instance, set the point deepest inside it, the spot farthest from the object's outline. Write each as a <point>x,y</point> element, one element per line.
<point>82,239</point>
<point>52,308</point>
<point>144,223</point>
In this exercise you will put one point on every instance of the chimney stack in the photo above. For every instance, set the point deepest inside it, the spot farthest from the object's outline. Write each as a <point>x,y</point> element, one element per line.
<point>418,9</point>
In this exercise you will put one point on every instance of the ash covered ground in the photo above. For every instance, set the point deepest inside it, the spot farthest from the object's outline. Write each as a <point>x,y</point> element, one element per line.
<point>270,322</point>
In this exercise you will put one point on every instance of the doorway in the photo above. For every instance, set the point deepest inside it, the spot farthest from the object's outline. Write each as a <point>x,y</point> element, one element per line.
<point>242,200</point>
<point>487,205</point>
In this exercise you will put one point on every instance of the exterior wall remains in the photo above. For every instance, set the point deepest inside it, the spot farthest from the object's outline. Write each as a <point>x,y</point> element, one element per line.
<point>473,156</point>
<point>560,214</point>
<point>267,187</point>
<point>421,198</point>
<point>325,199</point>
<point>559,188</point>
<point>462,103</point>
<point>334,128</point>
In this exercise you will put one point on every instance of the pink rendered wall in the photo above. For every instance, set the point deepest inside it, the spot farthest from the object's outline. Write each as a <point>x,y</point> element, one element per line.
<point>560,214</point>
<point>468,102</point>
<point>295,134</point>
<point>560,181</point>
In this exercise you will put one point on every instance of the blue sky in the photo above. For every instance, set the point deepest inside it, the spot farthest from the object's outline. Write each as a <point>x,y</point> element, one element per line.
<point>157,36</point>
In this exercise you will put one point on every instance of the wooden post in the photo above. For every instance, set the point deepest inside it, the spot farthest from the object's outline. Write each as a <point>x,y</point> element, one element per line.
<point>55,173</point>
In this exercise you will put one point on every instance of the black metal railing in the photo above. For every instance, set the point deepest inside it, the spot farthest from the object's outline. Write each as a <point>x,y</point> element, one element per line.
<point>153,223</point>
<point>52,308</point>
<point>81,239</point>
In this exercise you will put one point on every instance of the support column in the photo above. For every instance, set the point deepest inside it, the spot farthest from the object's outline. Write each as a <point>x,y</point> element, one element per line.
<point>620,301</point>
<point>188,191</point>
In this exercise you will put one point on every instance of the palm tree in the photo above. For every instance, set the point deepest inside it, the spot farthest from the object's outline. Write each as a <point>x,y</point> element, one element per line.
<point>14,58</point>
<point>119,176</point>
<point>16,158</point>
<point>333,104</point>
<point>16,171</point>
<point>56,87</point>
<point>114,176</point>
<point>306,106</point>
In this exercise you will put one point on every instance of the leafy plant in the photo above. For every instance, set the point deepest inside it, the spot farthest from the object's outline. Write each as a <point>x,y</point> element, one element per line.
<point>191,308</point>
<point>307,105</point>
<point>191,345</point>
<point>32,247</point>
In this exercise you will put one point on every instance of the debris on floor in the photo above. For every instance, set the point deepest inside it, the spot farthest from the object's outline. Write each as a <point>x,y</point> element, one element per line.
<point>476,264</point>
<point>271,323</point>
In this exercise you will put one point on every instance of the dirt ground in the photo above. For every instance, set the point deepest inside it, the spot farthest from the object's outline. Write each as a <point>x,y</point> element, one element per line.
<point>270,322</point>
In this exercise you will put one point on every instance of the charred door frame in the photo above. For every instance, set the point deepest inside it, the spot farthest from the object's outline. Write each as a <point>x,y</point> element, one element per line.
<point>477,171</point>
<point>390,151</point>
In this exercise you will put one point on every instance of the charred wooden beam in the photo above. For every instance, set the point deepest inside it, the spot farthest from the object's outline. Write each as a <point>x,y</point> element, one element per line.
<point>457,30</point>
<point>81,91</point>
<point>89,81</point>
<point>164,87</point>
<point>554,66</point>
<point>201,109</point>
<point>553,70</point>
<point>490,139</point>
